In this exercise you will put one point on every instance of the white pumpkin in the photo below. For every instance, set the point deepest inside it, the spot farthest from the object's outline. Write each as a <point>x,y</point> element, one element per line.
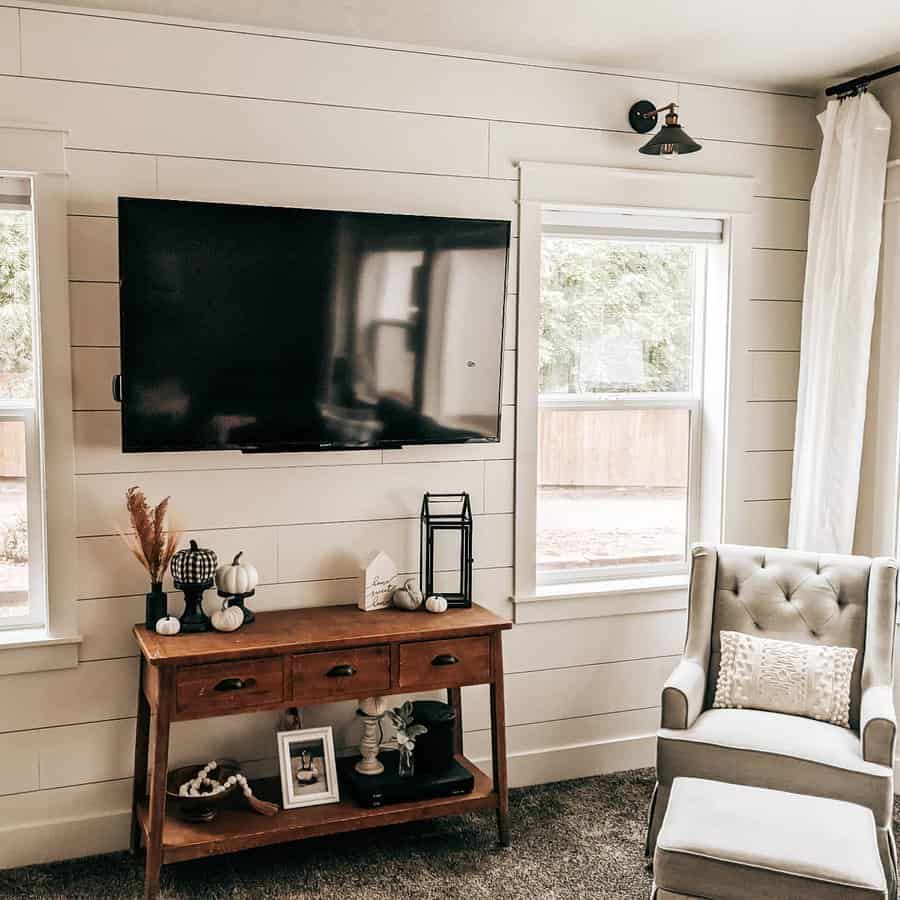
<point>236,577</point>
<point>436,604</point>
<point>407,597</point>
<point>168,625</point>
<point>228,618</point>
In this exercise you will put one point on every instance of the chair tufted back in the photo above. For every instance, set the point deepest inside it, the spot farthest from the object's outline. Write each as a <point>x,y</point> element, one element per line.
<point>791,596</point>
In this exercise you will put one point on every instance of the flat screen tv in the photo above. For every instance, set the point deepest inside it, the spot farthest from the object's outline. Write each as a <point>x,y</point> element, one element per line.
<point>271,329</point>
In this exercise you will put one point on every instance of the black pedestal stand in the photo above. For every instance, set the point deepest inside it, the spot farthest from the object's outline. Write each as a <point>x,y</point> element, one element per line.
<point>238,600</point>
<point>193,619</point>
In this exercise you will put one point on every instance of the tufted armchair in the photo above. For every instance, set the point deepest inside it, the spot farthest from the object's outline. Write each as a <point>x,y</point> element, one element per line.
<point>847,601</point>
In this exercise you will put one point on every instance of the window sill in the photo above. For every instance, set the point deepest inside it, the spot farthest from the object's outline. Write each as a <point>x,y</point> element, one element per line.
<point>595,599</point>
<point>37,650</point>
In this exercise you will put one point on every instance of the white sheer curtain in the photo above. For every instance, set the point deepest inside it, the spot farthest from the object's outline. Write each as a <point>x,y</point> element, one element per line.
<point>879,486</point>
<point>838,309</point>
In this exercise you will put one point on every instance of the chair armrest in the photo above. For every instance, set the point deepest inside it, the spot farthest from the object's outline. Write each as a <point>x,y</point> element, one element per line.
<point>878,724</point>
<point>682,696</point>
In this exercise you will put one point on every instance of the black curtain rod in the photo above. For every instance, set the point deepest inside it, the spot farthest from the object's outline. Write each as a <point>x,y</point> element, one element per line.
<point>854,85</point>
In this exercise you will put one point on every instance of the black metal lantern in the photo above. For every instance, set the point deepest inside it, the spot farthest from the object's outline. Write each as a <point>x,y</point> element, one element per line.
<point>447,522</point>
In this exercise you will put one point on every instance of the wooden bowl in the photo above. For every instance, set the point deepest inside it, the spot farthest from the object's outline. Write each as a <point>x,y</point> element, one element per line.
<point>205,807</point>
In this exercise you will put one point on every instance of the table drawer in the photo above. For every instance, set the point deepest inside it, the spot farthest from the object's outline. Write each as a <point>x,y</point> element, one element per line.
<point>227,687</point>
<point>340,674</point>
<point>448,663</point>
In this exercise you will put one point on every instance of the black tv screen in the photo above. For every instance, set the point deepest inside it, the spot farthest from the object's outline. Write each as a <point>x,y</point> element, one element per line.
<point>274,329</point>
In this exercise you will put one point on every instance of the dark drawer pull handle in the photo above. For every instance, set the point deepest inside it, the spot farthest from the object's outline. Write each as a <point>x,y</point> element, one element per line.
<point>445,659</point>
<point>235,684</point>
<point>344,671</point>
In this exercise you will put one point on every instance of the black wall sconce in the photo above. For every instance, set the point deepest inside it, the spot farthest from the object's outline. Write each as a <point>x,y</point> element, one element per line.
<point>447,520</point>
<point>671,139</point>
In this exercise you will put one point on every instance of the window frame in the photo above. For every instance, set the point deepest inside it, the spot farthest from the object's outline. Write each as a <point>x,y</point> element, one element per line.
<point>29,412</point>
<point>691,400</point>
<point>646,191</point>
<point>38,152</point>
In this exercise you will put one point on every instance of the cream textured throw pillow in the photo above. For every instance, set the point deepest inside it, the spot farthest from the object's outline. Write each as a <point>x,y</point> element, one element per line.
<point>780,676</point>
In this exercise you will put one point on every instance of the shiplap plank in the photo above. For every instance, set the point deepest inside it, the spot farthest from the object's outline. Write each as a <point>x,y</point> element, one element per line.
<point>780,224</point>
<point>774,325</point>
<point>774,375</point>
<point>508,378</point>
<point>764,523</point>
<point>555,694</point>
<point>20,770</point>
<point>511,325</point>
<point>128,120</point>
<point>768,475</point>
<point>226,181</point>
<point>308,552</point>
<point>77,802</point>
<point>93,369</point>
<point>98,450</point>
<point>97,180</point>
<point>499,493</point>
<point>107,569</point>
<point>779,172</point>
<point>748,116</point>
<point>770,426</point>
<point>545,736</point>
<point>129,52</point>
<point>94,311</point>
<point>93,248</point>
<point>255,497</point>
<point>9,40</point>
<point>777,275</point>
<point>589,641</point>
<point>91,692</point>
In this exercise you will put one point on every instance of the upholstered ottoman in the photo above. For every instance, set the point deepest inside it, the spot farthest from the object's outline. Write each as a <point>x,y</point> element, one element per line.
<point>724,841</point>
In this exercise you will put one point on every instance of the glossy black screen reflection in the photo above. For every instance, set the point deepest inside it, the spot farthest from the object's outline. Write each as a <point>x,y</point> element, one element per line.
<point>266,328</point>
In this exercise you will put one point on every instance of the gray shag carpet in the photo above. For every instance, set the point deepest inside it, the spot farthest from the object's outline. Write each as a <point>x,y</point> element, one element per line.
<point>573,839</point>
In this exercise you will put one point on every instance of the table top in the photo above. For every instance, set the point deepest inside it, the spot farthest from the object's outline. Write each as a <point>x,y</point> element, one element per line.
<point>315,628</point>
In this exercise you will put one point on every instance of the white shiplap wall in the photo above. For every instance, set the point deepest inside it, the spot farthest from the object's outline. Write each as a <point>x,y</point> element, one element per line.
<point>178,110</point>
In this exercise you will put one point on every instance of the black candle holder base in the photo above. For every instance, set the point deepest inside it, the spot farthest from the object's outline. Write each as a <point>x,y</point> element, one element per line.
<point>193,619</point>
<point>238,600</point>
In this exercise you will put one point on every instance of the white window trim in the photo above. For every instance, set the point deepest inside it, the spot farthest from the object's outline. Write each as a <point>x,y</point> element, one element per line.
<point>38,151</point>
<point>730,198</point>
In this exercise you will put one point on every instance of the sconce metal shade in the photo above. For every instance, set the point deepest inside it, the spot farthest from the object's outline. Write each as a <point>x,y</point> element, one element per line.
<point>670,140</point>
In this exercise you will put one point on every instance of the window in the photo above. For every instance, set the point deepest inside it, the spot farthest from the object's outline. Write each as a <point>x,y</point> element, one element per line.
<point>620,386</point>
<point>21,517</point>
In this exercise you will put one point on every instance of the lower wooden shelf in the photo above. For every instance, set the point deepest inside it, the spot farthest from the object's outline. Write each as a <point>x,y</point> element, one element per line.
<point>240,828</point>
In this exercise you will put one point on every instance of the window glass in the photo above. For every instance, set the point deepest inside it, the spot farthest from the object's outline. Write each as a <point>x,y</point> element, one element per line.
<point>618,403</point>
<point>612,488</point>
<point>16,354</point>
<point>616,316</point>
<point>20,495</point>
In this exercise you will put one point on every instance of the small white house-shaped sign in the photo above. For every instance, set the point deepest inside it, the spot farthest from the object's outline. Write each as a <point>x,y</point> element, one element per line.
<point>380,581</point>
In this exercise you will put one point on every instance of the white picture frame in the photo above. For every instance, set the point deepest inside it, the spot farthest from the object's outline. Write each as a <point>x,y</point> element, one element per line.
<point>307,753</point>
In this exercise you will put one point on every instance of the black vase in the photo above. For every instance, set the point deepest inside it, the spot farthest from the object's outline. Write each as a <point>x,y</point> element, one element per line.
<point>156,607</point>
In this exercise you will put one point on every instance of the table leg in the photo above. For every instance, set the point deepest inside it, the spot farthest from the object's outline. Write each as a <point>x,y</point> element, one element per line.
<point>498,741</point>
<point>454,699</point>
<point>141,757</point>
<point>157,801</point>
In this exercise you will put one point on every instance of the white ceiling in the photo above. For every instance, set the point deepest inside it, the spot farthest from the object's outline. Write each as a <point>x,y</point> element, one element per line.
<point>788,44</point>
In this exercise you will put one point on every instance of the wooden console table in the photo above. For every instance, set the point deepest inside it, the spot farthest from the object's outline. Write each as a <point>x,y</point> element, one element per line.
<point>284,659</point>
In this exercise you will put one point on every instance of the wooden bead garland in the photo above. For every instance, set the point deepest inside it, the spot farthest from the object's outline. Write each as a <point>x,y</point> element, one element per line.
<point>193,787</point>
